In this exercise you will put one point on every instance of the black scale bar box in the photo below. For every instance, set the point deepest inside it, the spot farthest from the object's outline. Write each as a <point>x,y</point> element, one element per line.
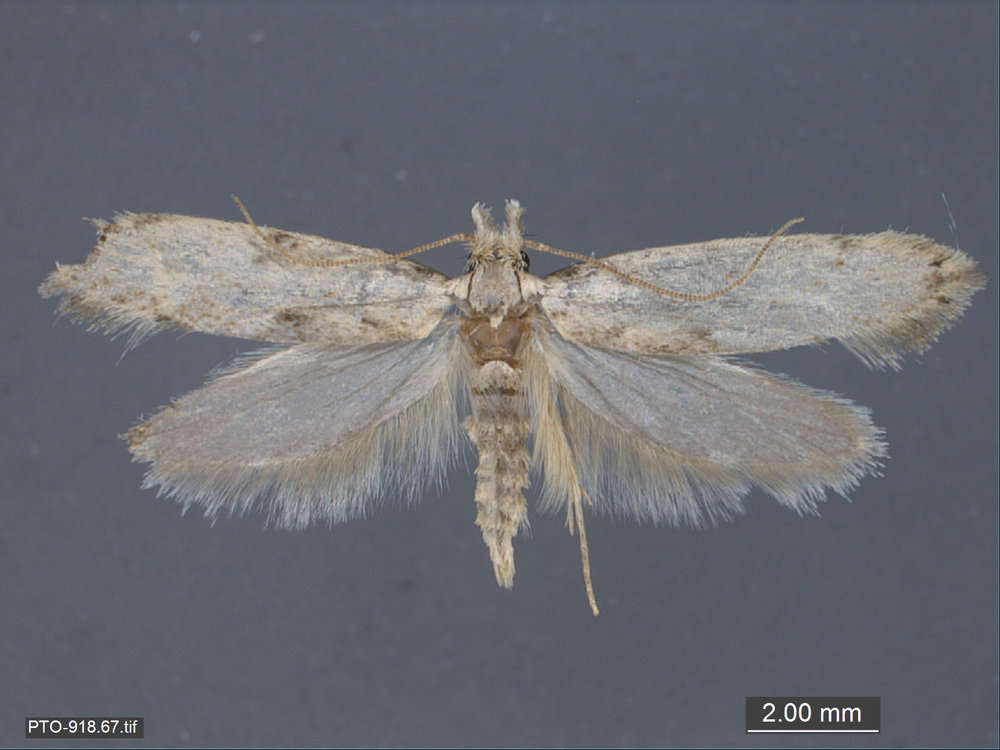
<point>835,714</point>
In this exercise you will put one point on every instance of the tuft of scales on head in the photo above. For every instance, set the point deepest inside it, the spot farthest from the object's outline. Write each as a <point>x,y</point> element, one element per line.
<point>496,262</point>
<point>492,243</point>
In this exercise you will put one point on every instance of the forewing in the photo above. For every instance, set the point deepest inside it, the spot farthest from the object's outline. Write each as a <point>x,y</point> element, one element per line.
<point>682,439</point>
<point>154,271</point>
<point>312,432</point>
<point>881,295</point>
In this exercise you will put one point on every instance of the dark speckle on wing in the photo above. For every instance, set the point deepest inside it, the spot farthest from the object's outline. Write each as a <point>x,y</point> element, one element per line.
<point>291,317</point>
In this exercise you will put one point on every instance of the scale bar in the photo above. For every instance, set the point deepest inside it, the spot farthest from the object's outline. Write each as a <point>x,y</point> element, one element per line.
<point>812,731</point>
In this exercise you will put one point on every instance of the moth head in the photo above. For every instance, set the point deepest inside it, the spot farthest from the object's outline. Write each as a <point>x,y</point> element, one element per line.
<point>492,244</point>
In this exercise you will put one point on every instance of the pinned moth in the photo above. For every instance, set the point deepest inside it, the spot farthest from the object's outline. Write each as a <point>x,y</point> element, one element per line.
<point>611,378</point>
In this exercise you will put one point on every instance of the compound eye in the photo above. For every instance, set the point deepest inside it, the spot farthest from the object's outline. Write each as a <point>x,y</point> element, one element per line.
<point>525,261</point>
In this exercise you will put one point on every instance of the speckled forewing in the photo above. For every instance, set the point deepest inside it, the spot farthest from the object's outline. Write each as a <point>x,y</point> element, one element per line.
<point>682,438</point>
<point>154,271</point>
<point>880,294</point>
<point>314,431</point>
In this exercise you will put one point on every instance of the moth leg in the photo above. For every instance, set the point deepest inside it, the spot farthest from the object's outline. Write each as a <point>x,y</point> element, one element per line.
<point>556,458</point>
<point>574,519</point>
<point>271,241</point>
<point>269,236</point>
<point>659,289</point>
<point>264,236</point>
<point>576,507</point>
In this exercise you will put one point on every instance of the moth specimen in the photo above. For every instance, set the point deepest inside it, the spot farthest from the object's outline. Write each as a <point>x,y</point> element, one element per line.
<point>613,379</point>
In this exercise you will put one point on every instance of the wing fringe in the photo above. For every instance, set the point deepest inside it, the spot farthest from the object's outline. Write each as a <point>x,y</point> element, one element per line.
<point>627,475</point>
<point>70,283</point>
<point>400,458</point>
<point>631,477</point>
<point>951,286</point>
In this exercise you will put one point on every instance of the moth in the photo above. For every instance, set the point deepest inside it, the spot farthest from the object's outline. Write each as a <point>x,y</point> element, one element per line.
<point>614,379</point>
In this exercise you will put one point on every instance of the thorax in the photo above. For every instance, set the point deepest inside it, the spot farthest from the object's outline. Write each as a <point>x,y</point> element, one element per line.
<point>497,303</point>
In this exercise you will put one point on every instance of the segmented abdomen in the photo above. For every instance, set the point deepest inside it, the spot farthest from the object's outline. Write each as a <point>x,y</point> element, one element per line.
<point>499,427</point>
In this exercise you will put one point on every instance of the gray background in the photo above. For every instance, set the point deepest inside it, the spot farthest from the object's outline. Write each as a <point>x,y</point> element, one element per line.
<point>618,126</point>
